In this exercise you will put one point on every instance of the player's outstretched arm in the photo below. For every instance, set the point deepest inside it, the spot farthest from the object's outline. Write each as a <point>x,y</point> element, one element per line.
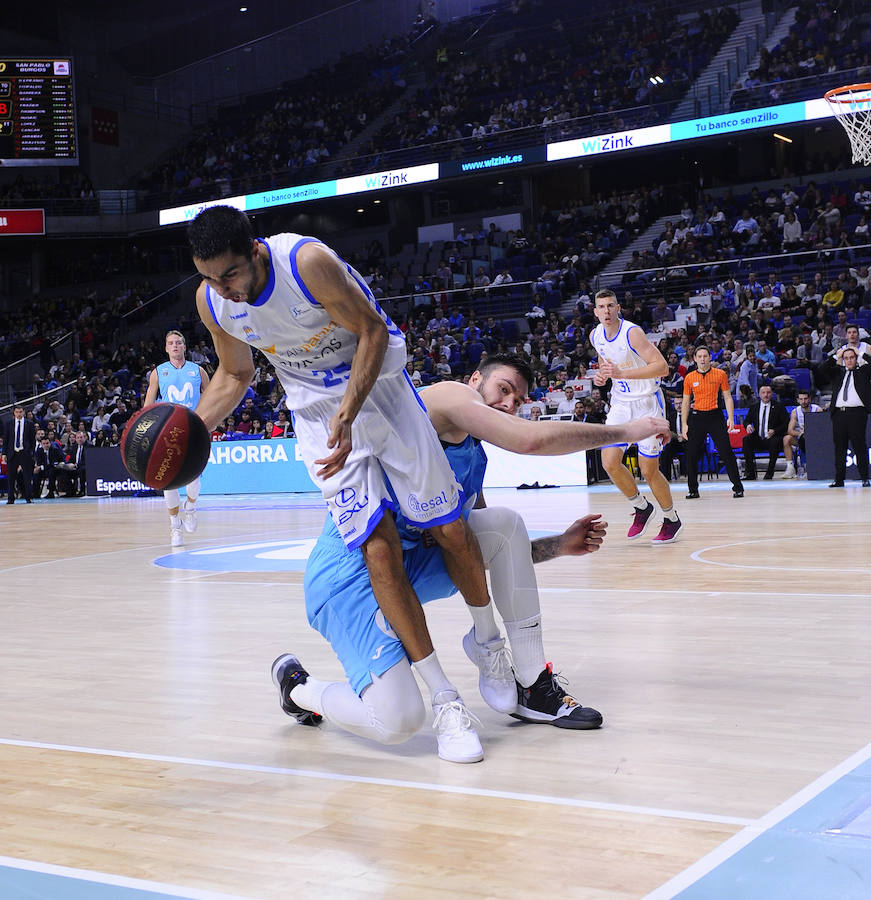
<point>234,373</point>
<point>457,410</point>
<point>581,537</point>
<point>338,293</point>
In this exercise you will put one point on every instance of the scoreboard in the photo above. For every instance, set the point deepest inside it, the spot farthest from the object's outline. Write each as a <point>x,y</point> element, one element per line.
<point>37,113</point>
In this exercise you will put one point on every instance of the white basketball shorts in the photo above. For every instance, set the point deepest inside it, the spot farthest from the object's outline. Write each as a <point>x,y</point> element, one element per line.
<point>396,461</point>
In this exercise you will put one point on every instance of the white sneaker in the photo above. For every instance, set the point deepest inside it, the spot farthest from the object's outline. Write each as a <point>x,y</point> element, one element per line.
<point>496,681</point>
<point>176,537</point>
<point>790,471</point>
<point>458,740</point>
<point>189,517</point>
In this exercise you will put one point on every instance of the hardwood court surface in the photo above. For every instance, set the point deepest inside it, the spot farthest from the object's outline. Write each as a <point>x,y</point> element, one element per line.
<point>141,736</point>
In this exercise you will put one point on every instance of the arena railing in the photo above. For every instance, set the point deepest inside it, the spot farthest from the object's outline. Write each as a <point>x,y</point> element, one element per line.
<point>667,281</point>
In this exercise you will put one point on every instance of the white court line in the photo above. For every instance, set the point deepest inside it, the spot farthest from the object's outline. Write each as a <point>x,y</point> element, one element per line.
<point>697,556</point>
<point>156,887</point>
<point>703,593</point>
<point>740,840</point>
<point>388,782</point>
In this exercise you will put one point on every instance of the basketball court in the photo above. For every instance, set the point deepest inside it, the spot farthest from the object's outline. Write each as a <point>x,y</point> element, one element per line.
<point>143,751</point>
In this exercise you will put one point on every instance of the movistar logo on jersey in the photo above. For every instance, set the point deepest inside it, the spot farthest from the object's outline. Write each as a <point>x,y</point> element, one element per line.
<point>250,334</point>
<point>183,395</point>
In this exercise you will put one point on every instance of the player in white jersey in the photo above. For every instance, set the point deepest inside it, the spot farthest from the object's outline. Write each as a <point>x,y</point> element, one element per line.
<point>794,436</point>
<point>178,381</point>
<point>634,366</point>
<point>363,432</point>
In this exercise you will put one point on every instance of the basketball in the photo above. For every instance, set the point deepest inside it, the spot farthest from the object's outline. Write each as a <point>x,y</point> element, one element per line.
<point>165,446</point>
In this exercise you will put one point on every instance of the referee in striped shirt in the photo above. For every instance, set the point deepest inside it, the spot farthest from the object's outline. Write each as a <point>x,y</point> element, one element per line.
<point>704,386</point>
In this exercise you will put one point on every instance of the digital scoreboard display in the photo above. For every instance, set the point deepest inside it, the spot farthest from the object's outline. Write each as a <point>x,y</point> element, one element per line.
<point>37,113</point>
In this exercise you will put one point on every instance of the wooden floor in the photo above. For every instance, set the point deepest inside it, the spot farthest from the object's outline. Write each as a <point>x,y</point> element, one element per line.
<point>140,734</point>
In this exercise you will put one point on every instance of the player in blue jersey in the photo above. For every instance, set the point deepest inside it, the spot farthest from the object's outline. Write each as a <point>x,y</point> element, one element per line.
<point>178,381</point>
<point>380,700</point>
<point>361,427</point>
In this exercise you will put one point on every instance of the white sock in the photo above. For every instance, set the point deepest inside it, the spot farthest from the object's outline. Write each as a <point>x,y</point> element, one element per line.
<point>639,501</point>
<point>486,628</point>
<point>527,649</point>
<point>430,670</point>
<point>175,521</point>
<point>670,514</point>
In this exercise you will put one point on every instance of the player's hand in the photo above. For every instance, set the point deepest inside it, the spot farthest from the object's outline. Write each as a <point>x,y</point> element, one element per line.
<point>340,439</point>
<point>608,369</point>
<point>599,379</point>
<point>583,536</point>
<point>645,427</point>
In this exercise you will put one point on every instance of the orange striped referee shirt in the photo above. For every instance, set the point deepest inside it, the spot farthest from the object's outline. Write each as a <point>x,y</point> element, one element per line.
<point>705,388</point>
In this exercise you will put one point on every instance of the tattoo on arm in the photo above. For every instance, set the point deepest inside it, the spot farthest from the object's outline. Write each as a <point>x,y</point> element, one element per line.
<point>546,548</point>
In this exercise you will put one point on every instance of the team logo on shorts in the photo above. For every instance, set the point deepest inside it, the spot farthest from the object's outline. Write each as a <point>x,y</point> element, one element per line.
<point>349,505</point>
<point>345,497</point>
<point>424,506</point>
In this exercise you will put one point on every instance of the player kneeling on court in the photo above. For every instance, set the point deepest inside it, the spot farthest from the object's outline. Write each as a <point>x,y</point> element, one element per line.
<point>381,700</point>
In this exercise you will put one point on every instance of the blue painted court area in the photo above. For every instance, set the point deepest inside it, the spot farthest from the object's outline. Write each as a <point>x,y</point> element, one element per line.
<point>35,882</point>
<point>819,851</point>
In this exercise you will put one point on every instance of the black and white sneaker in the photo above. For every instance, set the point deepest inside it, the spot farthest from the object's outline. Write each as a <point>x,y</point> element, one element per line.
<point>546,703</point>
<point>287,673</point>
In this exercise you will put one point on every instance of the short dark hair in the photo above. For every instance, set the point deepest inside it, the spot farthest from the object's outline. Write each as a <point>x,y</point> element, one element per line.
<point>507,359</point>
<point>219,229</point>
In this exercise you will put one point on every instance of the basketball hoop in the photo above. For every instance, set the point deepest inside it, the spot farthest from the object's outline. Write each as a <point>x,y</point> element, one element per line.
<point>851,105</point>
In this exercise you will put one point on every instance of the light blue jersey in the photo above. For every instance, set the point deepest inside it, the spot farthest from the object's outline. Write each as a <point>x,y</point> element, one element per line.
<point>338,594</point>
<point>181,385</point>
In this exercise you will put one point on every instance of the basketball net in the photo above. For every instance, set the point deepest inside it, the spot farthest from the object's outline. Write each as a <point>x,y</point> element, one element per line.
<point>851,105</point>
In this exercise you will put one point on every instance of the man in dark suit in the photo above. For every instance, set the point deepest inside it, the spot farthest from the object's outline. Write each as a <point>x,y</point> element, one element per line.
<point>766,423</point>
<point>48,457</point>
<point>851,400</point>
<point>74,465</point>
<point>19,442</point>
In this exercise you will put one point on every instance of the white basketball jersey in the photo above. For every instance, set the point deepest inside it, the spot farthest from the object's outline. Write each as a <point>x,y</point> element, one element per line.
<point>311,353</point>
<point>619,350</point>
<point>799,414</point>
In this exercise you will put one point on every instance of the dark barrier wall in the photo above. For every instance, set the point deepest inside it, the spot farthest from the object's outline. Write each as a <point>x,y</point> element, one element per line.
<point>821,448</point>
<point>107,477</point>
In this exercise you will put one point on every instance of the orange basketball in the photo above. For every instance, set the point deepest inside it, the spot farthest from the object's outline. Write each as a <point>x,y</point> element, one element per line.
<point>165,446</point>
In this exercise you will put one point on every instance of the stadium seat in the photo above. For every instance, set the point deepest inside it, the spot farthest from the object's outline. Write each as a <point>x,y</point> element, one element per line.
<point>802,379</point>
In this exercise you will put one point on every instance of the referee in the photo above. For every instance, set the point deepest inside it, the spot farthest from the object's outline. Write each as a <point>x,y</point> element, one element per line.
<point>703,386</point>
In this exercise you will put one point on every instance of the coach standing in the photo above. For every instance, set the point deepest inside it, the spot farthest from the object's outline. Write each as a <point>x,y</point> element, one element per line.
<point>851,400</point>
<point>704,386</point>
<point>19,442</point>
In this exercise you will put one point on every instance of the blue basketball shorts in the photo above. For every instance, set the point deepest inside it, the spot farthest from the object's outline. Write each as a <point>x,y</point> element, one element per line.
<point>340,605</point>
